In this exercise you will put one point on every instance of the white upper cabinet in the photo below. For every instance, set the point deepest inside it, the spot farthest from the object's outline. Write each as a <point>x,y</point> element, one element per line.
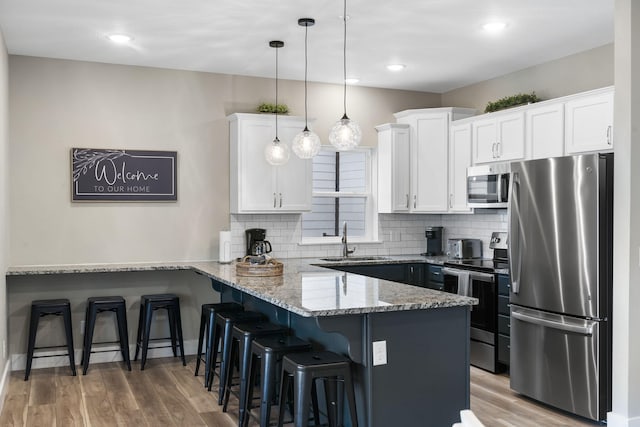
<point>589,122</point>
<point>498,138</point>
<point>393,168</point>
<point>255,185</point>
<point>459,161</point>
<point>413,160</point>
<point>545,131</point>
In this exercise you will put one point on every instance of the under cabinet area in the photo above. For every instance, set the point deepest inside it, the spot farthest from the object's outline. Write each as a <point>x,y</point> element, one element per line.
<point>255,185</point>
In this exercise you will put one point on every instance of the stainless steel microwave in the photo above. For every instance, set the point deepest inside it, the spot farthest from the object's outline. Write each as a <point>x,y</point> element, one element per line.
<point>488,185</point>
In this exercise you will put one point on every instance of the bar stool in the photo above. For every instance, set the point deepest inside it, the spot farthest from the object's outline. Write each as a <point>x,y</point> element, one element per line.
<point>149,304</point>
<point>266,354</point>
<point>41,308</point>
<point>242,336</point>
<point>207,322</point>
<point>97,305</point>
<point>304,369</point>
<point>223,333</point>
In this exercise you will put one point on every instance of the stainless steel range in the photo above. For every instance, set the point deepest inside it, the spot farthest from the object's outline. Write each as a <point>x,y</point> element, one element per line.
<point>477,278</point>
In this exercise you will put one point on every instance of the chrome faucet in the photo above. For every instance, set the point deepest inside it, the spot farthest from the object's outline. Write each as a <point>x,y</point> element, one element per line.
<point>345,249</point>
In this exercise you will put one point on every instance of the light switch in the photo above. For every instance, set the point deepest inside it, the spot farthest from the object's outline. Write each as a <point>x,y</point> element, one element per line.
<point>379,353</point>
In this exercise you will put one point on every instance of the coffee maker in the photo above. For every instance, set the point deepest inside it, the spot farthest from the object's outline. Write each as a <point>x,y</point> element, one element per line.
<point>434,240</point>
<point>256,243</point>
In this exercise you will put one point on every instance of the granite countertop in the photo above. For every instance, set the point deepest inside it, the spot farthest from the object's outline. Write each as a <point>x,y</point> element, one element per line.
<point>306,287</point>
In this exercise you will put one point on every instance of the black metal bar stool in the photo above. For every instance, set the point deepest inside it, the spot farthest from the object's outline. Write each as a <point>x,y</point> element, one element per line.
<point>223,333</point>
<point>97,305</point>
<point>242,336</point>
<point>41,308</point>
<point>207,323</point>
<point>304,369</point>
<point>266,354</point>
<point>149,304</point>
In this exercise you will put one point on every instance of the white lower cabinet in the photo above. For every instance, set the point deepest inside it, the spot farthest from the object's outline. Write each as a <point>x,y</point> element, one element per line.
<point>255,185</point>
<point>589,123</point>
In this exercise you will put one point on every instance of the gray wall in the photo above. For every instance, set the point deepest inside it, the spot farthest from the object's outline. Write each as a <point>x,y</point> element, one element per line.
<point>59,104</point>
<point>4,205</point>
<point>583,71</point>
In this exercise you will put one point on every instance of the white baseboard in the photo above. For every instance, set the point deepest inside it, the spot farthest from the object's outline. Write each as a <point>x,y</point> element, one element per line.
<point>617,420</point>
<point>104,354</point>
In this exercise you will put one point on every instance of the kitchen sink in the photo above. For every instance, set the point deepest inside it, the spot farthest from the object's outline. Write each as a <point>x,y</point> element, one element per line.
<point>355,258</point>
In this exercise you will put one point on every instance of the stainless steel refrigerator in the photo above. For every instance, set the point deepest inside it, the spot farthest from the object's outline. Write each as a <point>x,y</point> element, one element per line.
<point>560,256</point>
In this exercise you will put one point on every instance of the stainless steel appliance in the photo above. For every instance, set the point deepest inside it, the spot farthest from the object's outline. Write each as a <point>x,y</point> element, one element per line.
<point>488,185</point>
<point>464,248</point>
<point>256,243</point>
<point>476,278</point>
<point>560,254</point>
<point>434,240</point>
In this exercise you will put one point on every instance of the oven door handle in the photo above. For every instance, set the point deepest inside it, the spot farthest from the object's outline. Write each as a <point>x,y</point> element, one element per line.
<point>472,274</point>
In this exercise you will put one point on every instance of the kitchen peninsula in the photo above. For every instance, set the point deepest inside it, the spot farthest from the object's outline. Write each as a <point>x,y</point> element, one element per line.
<point>421,377</point>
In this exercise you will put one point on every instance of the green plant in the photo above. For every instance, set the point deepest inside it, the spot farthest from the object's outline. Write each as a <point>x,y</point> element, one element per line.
<point>511,101</point>
<point>266,107</point>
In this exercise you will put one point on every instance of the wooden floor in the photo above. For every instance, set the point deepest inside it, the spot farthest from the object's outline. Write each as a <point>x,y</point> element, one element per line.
<point>168,394</point>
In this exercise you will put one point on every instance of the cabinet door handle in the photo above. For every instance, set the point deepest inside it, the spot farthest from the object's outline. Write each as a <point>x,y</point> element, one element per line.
<point>407,200</point>
<point>274,200</point>
<point>609,134</point>
<point>493,150</point>
<point>451,201</point>
<point>415,201</point>
<point>498,150</point>
<point>280,199</point>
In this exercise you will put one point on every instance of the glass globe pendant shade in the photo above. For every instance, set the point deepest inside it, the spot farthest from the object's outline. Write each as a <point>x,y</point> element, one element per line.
<point>345,134</point>
<point>277,153</point>
<point>306,144</point>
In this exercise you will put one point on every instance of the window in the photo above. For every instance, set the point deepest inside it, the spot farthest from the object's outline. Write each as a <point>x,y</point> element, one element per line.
<point>341,192</point>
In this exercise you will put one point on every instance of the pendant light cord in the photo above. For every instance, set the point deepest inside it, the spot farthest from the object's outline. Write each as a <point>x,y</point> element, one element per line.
<point>344,60</point>
<point>277,94</point>
<point>306,33</point>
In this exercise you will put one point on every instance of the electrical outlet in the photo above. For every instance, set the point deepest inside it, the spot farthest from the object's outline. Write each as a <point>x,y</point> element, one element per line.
<point>82,327</point>
<point>379,353</point>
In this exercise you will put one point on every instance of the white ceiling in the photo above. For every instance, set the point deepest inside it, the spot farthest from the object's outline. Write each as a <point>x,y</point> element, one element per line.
<point>440,41</point>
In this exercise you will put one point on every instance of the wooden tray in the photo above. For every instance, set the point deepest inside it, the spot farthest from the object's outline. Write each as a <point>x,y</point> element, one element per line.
<point>271,268</point>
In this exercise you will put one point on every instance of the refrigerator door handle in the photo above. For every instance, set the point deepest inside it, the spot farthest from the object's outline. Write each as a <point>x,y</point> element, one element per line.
<point>514,225</point>
<point>576,329</point>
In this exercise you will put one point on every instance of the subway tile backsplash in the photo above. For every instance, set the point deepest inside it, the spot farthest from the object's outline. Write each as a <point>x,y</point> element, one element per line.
<point>399,234</point>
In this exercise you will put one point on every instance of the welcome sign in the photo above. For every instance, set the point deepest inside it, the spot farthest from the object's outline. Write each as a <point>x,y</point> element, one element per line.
<point>123,175</point>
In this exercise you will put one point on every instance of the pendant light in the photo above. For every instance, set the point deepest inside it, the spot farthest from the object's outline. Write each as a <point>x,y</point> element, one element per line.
<point>306,144</point>
<point>276,152</point>
<point>345,133</point>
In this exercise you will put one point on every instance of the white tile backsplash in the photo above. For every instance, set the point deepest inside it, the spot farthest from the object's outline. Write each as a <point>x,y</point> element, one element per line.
<point>400,234</point>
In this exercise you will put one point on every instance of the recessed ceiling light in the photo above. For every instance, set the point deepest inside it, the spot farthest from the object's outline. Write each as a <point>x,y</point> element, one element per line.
<point>396,67</point>
<point>352,80</point>
<point>494,27</point>
<point>119,38</point>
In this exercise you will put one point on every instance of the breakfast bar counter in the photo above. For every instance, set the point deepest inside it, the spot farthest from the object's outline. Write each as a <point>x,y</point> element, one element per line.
<point>419,374</point>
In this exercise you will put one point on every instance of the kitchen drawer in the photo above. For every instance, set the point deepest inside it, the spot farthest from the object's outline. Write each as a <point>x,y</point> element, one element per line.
<point>503,349</point>
<point>504,284</point>
<point>503,304</point>
<point>434,273</point>
<point>504,324</point>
